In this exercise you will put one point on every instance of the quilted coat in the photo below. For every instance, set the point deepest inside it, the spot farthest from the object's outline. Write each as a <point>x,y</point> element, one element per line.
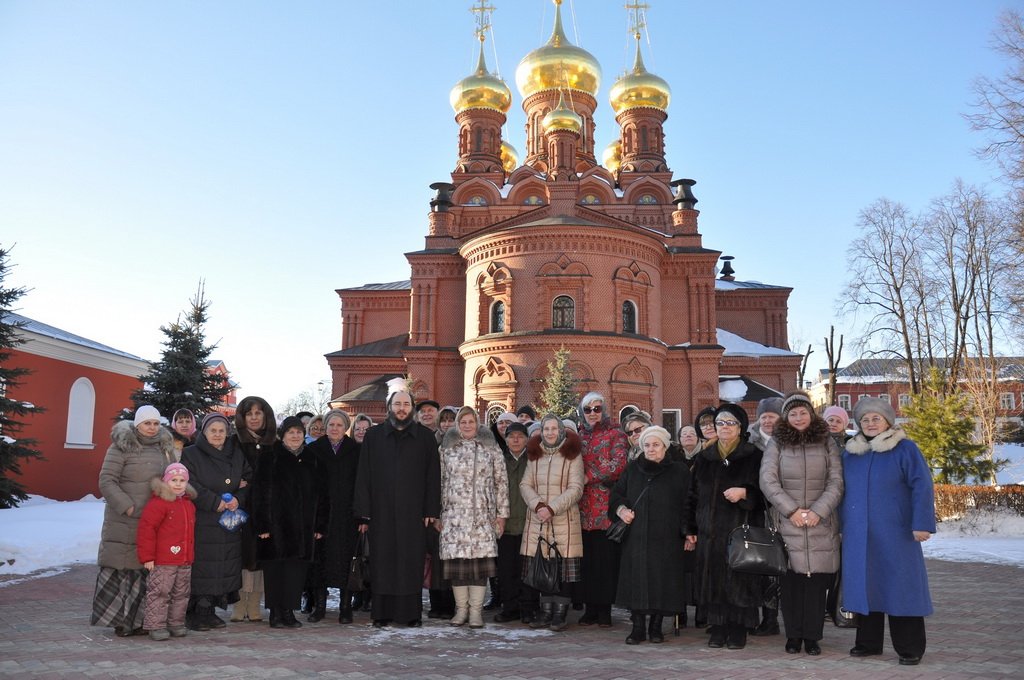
<point>556,478</point>
<point>474,492</point>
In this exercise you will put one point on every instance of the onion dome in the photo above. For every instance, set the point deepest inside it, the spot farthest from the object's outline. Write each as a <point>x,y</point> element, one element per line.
<point>482,90</point>
<point>611,157</point>
<point>509,157</point>
<point>639,89</point>
<point>562,118</point>
<point>557,64</point>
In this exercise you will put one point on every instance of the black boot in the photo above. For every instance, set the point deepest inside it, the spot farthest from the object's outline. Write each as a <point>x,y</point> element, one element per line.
<point>495,600</point>
<point>654,631</point>
<point>558,614</point>
<point>319,606</point>
<point>345,607</point>
<point>638,634</point>
<point>289,620</point>
<point>543,617</point>
<point>275,618</point>
<point>589,617</point>
<point>769,622</point>
<point>717,638</point>
<point>736,637</point>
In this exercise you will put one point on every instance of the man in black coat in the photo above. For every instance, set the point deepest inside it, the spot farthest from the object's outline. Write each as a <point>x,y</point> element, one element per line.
<point>398,493</point>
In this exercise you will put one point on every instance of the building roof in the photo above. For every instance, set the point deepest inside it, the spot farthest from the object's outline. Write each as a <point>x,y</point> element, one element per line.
<point>375,390</point>
<point>387,347</point>
<point>870,371</point>
<point>40,328</point>
<point>393,285</point>
<point>737,346</point>
<point>737,388</point>
<point>721,284</point>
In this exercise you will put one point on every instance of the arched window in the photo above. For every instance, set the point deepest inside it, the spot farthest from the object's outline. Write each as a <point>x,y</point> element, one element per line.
<point>563,312</point>
<point>81,412</point>
<point>628,317</point>
<point>493,411</point>
<point>498,317</point>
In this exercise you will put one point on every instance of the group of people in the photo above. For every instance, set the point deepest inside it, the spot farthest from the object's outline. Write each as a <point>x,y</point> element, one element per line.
<point>451,504</point>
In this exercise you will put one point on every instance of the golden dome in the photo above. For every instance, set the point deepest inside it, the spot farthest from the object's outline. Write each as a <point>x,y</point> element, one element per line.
<point>611,157</point>
<point>559,63</point>
<point>562,118</point>
<point>509,157</point>
<point>639,88</point>
<point>481,90</point>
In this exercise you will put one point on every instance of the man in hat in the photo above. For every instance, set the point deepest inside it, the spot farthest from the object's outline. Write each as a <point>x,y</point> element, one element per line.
<point>398,493</point>
<point>426,414</point>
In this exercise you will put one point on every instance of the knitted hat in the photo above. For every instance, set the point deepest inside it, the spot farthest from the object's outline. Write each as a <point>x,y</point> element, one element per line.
<point>769,405</point>
<point>570,424</point>
<point>175,469</point>
<point>507,417</point>
<point>657,432</point>
<point>839,412</point>
<point>145,413</point>
<point>528,411</point>
<point>210,418</point>
<point>874,405</point>
<point>796,399</point>
<point>290,422</point>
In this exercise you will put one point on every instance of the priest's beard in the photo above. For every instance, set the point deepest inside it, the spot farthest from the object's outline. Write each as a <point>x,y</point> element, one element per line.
<point>401,424</point>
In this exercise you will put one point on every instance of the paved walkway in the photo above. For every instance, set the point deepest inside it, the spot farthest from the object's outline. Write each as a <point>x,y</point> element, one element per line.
<point>977,631</point>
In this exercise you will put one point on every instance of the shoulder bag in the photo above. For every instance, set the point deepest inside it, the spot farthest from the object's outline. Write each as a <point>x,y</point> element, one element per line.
<point>617,531</point>
<point>545,573</point>
<point>757,550</point>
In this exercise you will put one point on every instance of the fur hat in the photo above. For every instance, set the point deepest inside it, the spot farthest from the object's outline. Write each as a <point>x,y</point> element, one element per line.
<point>657,432</point>
<point>738,413</point>
<point>874,405</point>
<point>175,469</point>
<point>838,411</point>
<point>213,417</point>
<point>528,410</point>
<point>289,423</point>
<point>144,413</point>
<point>769,405</point>
<point>796,399</point>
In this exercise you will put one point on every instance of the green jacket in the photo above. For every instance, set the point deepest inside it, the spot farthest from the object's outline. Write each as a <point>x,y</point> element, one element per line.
<point>517,506</point>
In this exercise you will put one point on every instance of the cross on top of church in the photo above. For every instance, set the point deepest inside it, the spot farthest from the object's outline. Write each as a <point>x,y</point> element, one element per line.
<point>483,13</point>
<point>637,17</point>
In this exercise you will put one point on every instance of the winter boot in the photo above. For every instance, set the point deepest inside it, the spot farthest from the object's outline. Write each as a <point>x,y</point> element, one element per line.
<point>543,617</point>
<point>239,610</point>
<point>288,619</point>
<point>476,606</point>
<point>177,631</point>
<point>319,606</point>
<point>654,633</point>
<point>253,609</point>
<point>558,614</point>
<point>638,634</point>
<point>275,618</point>
<point>589,617</point>
<point>495,600</point>
<point>159,634</point>
<point>345,607</point>
<point>736,638</point>
<point>769,622</point>
<point>461,605</point>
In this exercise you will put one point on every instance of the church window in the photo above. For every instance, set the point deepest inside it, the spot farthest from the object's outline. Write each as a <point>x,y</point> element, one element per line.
<point>628,317</point>
<point>644,146</point>
<point>81,413</point>
<point>590,199</point>
<point>648,199</point>
<point>533,200</point>
<point>563,312</point>
<point>498,317</point>
<point>477,201</point>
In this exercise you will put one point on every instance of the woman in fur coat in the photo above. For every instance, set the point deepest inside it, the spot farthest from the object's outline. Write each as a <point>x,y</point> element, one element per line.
<point>139,451</point>
<point>802,479</point>
<point>474,507</point>
<point>888,511</point>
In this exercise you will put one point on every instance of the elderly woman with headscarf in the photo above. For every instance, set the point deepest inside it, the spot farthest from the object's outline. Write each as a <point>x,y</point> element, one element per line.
<point>802,479</point>
<point>474,507</point>
<point>183,429</point>
<point>552,487</point>
<point>255,432</point>
<point>724,494</point>
<point>215,467</point>
<point>651,497</point>
<point>605,452</point>
<point>139,451</point>
<point>887,512</point>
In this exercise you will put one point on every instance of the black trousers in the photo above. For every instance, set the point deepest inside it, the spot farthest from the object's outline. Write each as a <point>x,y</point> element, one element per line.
<point>515,597</point>
<point>283,583</point>
<point>600,567</point>
<point>803,604</point>
<point>906,632</point>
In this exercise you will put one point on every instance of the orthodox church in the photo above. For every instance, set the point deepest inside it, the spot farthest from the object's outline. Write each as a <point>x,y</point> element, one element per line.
<point>561,248</point>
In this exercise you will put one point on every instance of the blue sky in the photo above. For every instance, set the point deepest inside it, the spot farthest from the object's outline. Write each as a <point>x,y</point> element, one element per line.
<point>282,150</point>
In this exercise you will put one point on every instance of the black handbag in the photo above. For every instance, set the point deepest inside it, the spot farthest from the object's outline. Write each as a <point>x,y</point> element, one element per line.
<point>545,573</point>
<point>834,604</point>
<point>359,569</point>
<point>617,531</point>
<point>757,550</point>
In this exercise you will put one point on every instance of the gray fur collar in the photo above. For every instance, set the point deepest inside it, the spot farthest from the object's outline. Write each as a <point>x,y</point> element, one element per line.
<point>163,490</point>
<point>452,437</point>
<point>125,437</point>
<point>886,441</point>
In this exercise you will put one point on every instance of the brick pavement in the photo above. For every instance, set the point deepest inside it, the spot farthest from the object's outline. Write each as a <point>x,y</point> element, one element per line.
<point>977,631</point>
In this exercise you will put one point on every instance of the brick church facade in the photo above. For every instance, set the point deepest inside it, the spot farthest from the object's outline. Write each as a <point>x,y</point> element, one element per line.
<point>603,257</point>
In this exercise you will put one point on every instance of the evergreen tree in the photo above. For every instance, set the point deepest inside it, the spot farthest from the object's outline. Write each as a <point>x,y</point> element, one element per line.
<point>941,427</point>
<point>180,378</point>
<point>559,393</point>
<point>13,449</point>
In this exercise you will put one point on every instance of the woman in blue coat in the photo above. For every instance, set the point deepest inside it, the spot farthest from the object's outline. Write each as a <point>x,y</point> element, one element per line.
<point>887,512</point>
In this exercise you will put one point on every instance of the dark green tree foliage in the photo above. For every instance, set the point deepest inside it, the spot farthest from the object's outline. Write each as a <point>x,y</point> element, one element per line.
<point>559,393</point>
<point>13,448</point>
<point>942,428</point>
<point>180,378</point>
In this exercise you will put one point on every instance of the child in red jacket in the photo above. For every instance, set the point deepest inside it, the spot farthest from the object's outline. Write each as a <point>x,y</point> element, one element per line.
<point>166,547</point>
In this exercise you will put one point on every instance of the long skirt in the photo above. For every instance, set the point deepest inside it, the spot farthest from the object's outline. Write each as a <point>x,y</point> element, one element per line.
<point>119,598</point>
<point>283,581</point>
<point>470,572</point>
<point>600,568</point>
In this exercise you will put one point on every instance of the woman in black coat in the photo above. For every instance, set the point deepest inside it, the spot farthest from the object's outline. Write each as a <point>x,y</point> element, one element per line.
<point>215,467</point>
<point>339,455</point>
<point>651,497</point>
<point>290,513</point>
<point>724,494</point>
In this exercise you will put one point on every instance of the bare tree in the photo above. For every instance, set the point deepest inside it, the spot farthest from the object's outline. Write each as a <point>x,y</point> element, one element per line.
<point>803,367</point>
<point>835,355</point>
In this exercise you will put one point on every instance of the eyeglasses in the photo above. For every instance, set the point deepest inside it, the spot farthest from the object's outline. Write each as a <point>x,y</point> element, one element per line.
<point>635,431</point>
<point>872,420</point>
<point>592,409</point>
<point>726,423</point>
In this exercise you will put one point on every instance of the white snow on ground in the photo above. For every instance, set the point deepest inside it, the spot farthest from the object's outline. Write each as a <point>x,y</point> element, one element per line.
<point>43,536</point>
<point>1014,472</point>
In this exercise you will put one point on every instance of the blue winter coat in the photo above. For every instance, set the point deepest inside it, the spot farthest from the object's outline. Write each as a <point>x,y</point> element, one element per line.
<point>889,495</point>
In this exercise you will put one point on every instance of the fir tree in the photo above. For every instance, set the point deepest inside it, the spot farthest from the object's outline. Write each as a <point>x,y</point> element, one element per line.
<point>941,427</point>
<point>559,393</point>
<point>13,449</point>
<point>180,379</point>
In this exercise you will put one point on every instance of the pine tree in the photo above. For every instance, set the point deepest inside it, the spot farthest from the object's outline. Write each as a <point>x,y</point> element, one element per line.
<point>941,427</point>
<point>180,379</point>
<point>13,449</point>
<point>559,393</point>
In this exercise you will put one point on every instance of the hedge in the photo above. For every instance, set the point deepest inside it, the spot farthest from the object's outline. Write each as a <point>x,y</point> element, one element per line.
<point>953,501</point>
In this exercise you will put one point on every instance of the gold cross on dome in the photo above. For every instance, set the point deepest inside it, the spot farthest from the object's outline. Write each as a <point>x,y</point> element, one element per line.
<point>637,17</point>
<point>483,17</point>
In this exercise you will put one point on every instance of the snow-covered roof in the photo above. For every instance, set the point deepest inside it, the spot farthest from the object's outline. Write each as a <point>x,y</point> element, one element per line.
<point>737,388</point>
<point>737,346</point>
<point>40,328</point>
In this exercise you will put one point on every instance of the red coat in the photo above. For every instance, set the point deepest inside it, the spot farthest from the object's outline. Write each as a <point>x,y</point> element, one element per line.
<point>605,449</point>
<point>167,528</point>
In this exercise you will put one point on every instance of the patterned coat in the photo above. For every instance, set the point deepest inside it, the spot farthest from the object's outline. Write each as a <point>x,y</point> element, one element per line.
<point>128,468</point>
<point>474,492</point>
<point>554,478</point>
<point>605,454</point>
<point>889,495</point>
